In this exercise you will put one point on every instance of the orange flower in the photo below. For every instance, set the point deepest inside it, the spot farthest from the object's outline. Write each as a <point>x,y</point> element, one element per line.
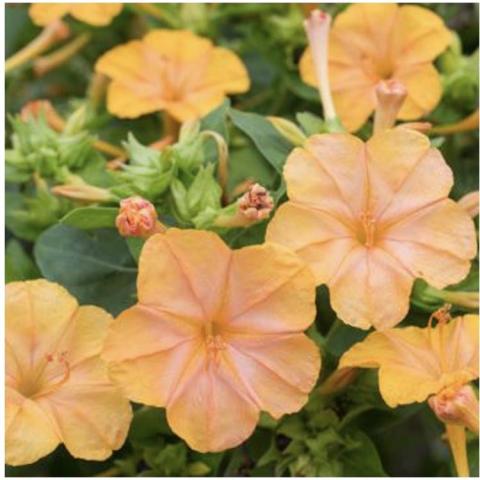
<point>417,362</point>
<point>171,70</point>
<point>370,217</point>
<point>97,14</point>
<point>435,363</point>
<point>57,389</point>
<point>374,42</point>
<point>216,336</point>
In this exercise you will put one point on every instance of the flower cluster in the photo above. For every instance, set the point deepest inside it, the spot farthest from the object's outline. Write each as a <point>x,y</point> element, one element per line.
<point>166,245</point>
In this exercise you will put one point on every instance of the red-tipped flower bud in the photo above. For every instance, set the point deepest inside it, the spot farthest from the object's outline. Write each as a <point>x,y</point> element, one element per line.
<point>256,204</point>
<point>137,218</point>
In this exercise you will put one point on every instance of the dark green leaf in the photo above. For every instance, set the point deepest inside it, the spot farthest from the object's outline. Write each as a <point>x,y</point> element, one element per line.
<point>90,218</point>
<point>18,264</point>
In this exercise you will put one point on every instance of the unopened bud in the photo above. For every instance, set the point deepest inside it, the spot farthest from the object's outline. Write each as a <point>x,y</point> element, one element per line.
<point>390,97</point>
<point>317,27</point>
<point>338,380</point>
<point>137,218</point>
<point>35,108</point>
<point>256,204</point>
<point>456,406</point>
<point>84,193</point>
<point>422,127</point>
<point>289,130</point>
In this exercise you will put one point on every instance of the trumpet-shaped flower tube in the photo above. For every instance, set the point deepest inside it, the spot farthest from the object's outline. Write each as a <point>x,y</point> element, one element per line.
<point>369,218</point>
<point>216,336</point>
<point>97,14</point>
<point>170,70</point>
<point>374,42</point>
<point>57,388</point>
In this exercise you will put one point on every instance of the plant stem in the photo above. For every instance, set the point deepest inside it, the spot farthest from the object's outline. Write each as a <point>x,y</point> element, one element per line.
<point>458,444</point>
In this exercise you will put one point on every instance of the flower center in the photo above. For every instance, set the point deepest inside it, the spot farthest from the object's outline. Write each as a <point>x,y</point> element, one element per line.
<point>48,377</point>
<point>366,234</point>
<point>213,341</point>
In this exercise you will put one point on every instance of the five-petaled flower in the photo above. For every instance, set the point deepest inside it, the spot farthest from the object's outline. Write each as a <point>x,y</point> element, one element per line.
<point>216,337</point>
<point>370,218</point>
<point>170,70</point>
<point>374,42</point>
<point>415,363</point>
<point>57,388</point>
<point>97,14</point>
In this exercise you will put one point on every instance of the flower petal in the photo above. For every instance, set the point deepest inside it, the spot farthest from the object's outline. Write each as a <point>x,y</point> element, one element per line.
<point>179,45</point>
<point>98,14</point>
<point>226,72</point>
<point>152,379</point>
<point>38,314</point>
<point>419,35</point>
<point>315,235</point>
<point>195,104</point>
<point>210,411</point>
<point>259,291</point>
<point>424,90</point>
<point>400,162</point>
<point>44,13</point>
<point>29,433</point>
<point>92,422</point>
<point>437,243</point>
<point>184,272</point>
<point>370,288</point>
<point>279,371</point>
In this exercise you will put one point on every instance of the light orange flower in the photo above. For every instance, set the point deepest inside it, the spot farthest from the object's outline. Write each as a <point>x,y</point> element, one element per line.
<point>171,70</point>
<point>415,363</point>
<point>371,217</point>
<point>97,14</point>
<point>374,42</point>
<point>57,388</point>
<point>216,337</point>
<point>434,363</point>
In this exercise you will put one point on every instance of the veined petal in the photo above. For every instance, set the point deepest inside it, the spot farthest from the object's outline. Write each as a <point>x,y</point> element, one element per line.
<point>424,89</point>
<point>259,298</point>
<point>400,162</point>
<point>371,288</point>
<point>145,330</point>
<point>211,410</point>
<point>98,14</point>
<point>196,104</point>
<point>188,274</point>
<point>38,314</point>
<point>44,13</point>
<point>315,235</point>
<point>92,422</point>
<point>279,372</point>
<point>419,35</point>
<point>436,243</point>
<point>29,432</point>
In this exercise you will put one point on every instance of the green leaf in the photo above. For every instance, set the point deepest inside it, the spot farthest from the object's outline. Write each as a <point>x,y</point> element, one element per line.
<point>96,267</point>
<point>363,459</point>
<point>18,264</point>
<point>148,426</point>
<point>90,218</point>
<point>271,144</point>
<point>310,123</point>
<point>216,120</point>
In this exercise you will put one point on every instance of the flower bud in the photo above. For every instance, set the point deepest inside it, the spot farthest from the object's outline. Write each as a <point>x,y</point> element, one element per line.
<point>390,97</point>
<point>456,406</point>
<point>338,380</point>
<point>256,204</point>
<point>83,193</point>
<point>289,130</point>
<point>35,108</point>
<point>137,218</point>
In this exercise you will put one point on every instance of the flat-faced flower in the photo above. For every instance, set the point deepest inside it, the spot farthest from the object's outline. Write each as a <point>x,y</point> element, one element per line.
<point>374,42</point>
<point>57,388</point>
<point>371,217</point>
<point>216,336</point>
<point>97,14</point>
<point>434,363</point>
<point>170,70</point>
